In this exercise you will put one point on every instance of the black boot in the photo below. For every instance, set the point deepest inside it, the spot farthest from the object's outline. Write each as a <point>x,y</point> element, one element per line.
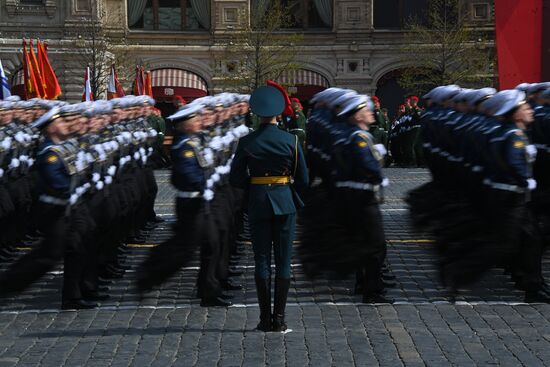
<point>263,289</point>
<point>281,293</point>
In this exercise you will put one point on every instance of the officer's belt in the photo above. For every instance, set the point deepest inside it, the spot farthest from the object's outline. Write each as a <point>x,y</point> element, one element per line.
<point>53,200</point>
<point>188,194</point>
<point>505,187</point>
<point>358,185</point>
<point>270,180</point>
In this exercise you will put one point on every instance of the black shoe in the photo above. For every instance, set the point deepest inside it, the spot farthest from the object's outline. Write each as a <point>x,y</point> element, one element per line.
<point>376,298</point>
<point>537,297</point>
<point>95,296</point>
<point>157,219</point>
<point>214,302</point>
<point>225,296</point>
<point>78,304</point>
<point>228,286</point>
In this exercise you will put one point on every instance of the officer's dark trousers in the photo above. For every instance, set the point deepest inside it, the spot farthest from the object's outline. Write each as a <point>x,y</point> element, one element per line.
<point>167,258</point>
<point>55,227</point>
<point>275,233</point>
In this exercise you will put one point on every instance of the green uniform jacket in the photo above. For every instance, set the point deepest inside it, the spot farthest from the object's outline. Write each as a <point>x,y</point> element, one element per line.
<point>269,151</point>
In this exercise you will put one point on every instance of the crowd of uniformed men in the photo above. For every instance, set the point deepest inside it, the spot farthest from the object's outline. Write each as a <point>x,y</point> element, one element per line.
<point>84,172</point>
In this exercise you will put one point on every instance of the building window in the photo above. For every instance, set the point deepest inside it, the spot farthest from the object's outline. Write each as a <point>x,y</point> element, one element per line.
<point>480,11</point>
<point>165,15</point>
<point>397,14</point>
<point>309,14</point>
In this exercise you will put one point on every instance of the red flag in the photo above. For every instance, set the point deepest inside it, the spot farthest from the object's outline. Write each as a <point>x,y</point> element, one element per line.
<point>114,88</point>
<point>148,85</point>
<point>36,71</point>
<point>519,41</point>
<point>288,106</point>
<point>31,84</point>
<point>51,85</point>
<point>87,93</point>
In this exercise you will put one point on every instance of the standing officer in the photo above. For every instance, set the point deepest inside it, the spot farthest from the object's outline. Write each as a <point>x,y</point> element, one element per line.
<point>269,164</point>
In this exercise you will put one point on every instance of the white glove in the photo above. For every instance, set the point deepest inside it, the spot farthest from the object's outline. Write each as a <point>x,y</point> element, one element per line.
<point>209,183</point>
<point>531,184</point>
<point>111,171</point>
<point>6,143</point>
<point>216,177</point>
<point>79,191</point>
<point>1,172</point>
<point>23,158</point>
<point>108,180</point>
<point>385,182</point>
<point>73,199</point>
<point>95,177</point>
<point>208,195</point>
<point>30,162</point>
<point>531,150</point>
<point>381,149</point>
<point>90,157</point>
<point>19,137</point>
<point>14,163</point>
<point>136,156</point>
<point>99,185</point>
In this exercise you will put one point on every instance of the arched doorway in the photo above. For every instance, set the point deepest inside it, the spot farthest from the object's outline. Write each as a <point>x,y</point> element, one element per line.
<point>18,83</point>
<point>304,84</point>
<point>390,93</point>
<point>168,83</point>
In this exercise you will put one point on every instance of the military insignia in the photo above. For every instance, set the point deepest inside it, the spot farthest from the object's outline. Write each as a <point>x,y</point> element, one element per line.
<point>362,144</point>
<point>188,154</point>
<point>519,144</point>
<point>52,158</point>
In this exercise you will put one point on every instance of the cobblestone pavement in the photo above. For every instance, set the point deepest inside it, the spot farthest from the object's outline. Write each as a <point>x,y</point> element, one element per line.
<point>489,324</point>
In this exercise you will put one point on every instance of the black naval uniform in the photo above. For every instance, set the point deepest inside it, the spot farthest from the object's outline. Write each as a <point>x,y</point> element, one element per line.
<point>358,180</point>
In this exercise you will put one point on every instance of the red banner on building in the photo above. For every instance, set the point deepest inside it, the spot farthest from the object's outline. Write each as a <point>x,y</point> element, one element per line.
<point>519,41</point>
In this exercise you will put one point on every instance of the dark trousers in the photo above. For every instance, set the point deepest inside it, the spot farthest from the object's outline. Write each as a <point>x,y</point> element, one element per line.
<point>170,256</point>
<point>359,213</point>
<point>275,233</point>
<point>55,227</point>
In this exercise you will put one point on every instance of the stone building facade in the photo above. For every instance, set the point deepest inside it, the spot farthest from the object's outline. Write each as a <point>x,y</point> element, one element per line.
<point>348,43</point>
